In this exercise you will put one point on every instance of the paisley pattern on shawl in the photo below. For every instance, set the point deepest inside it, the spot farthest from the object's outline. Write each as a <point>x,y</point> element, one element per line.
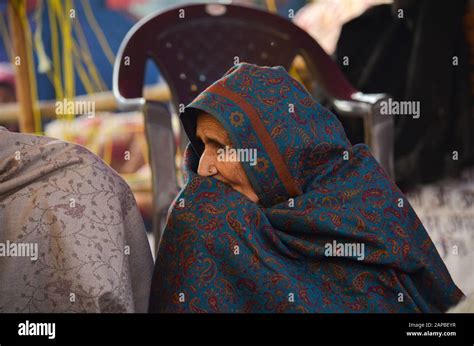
<point>221,252</point>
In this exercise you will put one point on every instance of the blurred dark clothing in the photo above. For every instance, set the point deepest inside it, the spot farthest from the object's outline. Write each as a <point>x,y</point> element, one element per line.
<point>411,58</point>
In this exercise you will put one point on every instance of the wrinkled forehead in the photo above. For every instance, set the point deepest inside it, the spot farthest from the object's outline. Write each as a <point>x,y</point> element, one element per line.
<point>204,117</point>
<point>206,120</point>
<point>199,124</point>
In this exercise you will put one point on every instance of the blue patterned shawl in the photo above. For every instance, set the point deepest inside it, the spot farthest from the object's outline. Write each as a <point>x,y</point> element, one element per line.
<point>322,199</point>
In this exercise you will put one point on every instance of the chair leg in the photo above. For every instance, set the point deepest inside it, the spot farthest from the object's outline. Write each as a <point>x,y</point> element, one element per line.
<point>162,153</point>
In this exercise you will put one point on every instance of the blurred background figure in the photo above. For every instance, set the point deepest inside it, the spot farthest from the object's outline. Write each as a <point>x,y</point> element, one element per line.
<point>417,51</point>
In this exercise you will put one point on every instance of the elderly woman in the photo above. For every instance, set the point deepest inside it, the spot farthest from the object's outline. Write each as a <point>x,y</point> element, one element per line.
<point>280,213</point>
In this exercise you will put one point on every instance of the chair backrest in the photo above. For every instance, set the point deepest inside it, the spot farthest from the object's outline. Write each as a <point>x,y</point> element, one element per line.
<point>195,45</point>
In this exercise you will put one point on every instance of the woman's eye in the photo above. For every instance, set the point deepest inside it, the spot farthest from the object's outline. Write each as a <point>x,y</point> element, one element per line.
<point>217,145</point>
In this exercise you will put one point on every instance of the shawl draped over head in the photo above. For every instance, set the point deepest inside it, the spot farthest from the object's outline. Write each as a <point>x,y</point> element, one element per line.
<point>320,199</point>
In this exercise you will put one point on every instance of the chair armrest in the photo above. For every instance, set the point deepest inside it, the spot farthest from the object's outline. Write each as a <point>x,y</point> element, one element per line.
<point>378,128</point>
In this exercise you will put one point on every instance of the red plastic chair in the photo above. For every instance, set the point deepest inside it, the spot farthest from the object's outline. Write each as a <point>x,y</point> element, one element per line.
<point>195,45</point>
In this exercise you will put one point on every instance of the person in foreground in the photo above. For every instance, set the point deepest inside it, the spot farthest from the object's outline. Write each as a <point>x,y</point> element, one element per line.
<point>280,213</point>
<point>71,236</point>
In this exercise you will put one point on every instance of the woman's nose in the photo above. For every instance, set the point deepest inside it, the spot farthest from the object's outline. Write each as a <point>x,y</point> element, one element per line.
<point>207,165</point>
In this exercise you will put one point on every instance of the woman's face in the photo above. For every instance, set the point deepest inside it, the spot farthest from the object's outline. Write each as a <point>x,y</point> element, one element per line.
<point>215,137</point>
